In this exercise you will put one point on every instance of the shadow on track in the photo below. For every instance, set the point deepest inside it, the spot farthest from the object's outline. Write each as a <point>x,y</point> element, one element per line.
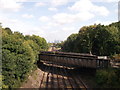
<point>57,69</point>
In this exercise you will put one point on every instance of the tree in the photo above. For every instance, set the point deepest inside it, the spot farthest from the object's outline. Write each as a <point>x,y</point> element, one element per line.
<point>19,56</point>
<point>68,45</point>
<point>95,39</point>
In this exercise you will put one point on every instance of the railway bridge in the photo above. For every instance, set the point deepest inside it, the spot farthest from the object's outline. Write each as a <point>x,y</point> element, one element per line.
<point>73,59</point>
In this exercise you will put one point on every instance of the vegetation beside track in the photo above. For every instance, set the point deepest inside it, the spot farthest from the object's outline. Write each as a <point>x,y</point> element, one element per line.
<point>108,78</point>
<point>19,56</point>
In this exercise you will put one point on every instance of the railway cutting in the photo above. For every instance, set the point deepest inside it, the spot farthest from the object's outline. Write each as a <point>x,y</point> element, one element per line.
<point>57,69</point>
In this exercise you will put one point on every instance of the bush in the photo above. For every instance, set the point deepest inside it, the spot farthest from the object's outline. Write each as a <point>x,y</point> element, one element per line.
<point>19,56</point>
<point>108,78</point>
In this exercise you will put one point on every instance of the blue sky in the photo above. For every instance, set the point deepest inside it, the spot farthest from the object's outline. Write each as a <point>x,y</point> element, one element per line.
<point>56,19</point>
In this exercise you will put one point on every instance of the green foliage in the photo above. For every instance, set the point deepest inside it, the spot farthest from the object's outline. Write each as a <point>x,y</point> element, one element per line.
<point>19,55</point>
<point>8,30</point>
<point>59,45</point>
<point>69,43</point>
<point>109,78</point>
<point>95,39</point>
<point>41,42</point>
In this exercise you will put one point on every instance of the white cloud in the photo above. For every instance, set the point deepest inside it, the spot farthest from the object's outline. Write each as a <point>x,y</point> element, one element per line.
<point>67,29</point>
<point>14,24</point>
<point>52,9</point>
<point>48,32</point>
<point>38,4</point>
<point>44,19</point>
<point>37,31</point>
<point>101,10</point>
<point>9,5</point>
<point>116,10</point>
<point>23,27</point>
<point>104,22</point>
<point>88,6</point>
<point>107,1</point>
<point>52,24</point>
<point>27,16</point>
<point>55,26</point>
<point>81,5</point>
<point>22,0</point>
<point>64,18</point>
<point>59,2</point>
<point>61,33</point>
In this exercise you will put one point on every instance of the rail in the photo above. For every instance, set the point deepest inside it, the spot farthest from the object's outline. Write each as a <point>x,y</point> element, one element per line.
<point>60,78</point>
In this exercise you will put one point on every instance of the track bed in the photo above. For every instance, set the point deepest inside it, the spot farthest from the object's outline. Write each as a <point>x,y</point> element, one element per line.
<point>60,77</point>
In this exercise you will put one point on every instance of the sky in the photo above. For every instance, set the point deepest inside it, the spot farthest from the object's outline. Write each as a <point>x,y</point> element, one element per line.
<point>56,19</point>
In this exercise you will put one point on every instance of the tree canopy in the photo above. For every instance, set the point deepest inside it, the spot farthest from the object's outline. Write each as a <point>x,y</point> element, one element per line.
<point>95,39</point>
<point>19,56</point>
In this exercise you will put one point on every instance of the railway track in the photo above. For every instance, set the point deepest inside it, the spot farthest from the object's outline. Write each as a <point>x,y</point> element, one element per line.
<point>60,78</point>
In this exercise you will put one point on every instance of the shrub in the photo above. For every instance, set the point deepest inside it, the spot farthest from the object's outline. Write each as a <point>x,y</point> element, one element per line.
<point>108,78</point>
<point>19,56</point>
